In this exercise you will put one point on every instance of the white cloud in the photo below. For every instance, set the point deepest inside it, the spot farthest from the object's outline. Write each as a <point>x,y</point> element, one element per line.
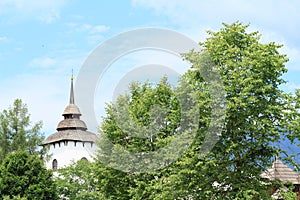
<point>60,59</point>
<point>90,29</point>
<point>277,21</point>
<point>46,11</point>
<point>29,5</point>
<point>84,27</point>
<point>281,15</point>
<point>3,39</point>
<point>50,16</point>
<point>99,29</point>
<point>95,39</point>
<point>94,32</point>
<point>42,62</point>
<point>56,63</point>
<point>220,8</point>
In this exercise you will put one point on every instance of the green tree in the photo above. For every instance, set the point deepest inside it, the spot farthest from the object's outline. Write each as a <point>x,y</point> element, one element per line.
<point>24,175</point>
<point>286,191</point>
<point>78,181</point>
<point>291,124</point>
<point>112,183</point>
<point>14,198</point>
<point>144,120</point>
<point>256,116</point>
<point>17,131</point>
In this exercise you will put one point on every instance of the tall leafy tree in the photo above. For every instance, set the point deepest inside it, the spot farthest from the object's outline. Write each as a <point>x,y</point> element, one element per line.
<point>24,175</point>
<point>258,113</point>
<point>17,132</point>
<point>144,120</point>
<point>251,73</point>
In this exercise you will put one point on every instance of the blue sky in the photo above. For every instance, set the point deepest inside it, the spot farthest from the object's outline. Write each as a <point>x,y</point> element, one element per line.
<point>42,41</point>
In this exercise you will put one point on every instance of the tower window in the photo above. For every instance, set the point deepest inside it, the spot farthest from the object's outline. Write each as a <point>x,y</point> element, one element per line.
<point>54,165</point>
<point>84,158</point>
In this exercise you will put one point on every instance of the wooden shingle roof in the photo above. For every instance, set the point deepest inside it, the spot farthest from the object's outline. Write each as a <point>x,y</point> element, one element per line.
<point>71,127</point>
<point>71,135</point>
<point>71,109</point>
<point>71,124</point>
<point>281,172</point>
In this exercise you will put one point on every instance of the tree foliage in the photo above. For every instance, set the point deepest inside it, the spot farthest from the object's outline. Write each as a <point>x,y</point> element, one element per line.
<point>78,181</point>
<point>291,128</point>
<point>235,72</point>
<point>144,120</point>
<point>17,132</point>
<point>251,73</point>
<point>25,176</point>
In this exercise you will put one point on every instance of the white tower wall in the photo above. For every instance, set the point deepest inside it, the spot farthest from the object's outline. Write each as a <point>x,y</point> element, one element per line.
<point>66,152</point>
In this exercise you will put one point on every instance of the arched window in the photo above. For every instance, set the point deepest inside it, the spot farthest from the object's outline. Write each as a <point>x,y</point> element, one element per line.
<point>84,158</point>
<point>54,164</point>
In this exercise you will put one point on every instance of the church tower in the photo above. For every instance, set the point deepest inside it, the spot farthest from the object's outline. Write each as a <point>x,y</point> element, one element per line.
<point>72,141</point>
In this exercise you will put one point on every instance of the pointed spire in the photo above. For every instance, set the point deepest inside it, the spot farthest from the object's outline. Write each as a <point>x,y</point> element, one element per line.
<point>71,110</point>
<point>72,101</point>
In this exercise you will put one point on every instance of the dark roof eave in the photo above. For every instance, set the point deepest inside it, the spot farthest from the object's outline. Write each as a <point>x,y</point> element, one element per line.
<point>61,140</point>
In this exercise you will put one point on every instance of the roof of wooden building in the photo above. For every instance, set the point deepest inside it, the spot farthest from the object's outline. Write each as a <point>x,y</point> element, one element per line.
<point>281,172</point>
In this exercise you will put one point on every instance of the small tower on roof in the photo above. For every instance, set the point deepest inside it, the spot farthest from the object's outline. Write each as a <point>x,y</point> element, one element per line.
<point>72,141</point>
